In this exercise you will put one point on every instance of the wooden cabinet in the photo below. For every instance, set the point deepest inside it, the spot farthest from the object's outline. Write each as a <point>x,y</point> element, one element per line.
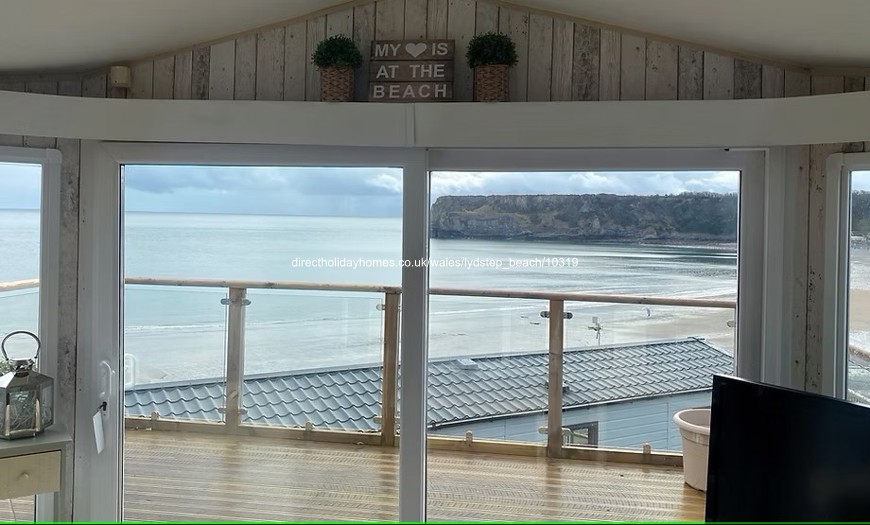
<point>31,466</point>
<point>30,474</point>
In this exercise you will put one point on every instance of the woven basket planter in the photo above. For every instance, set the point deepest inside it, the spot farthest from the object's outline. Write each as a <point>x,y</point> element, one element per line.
<point>491,83</point>
<point>336,84</point>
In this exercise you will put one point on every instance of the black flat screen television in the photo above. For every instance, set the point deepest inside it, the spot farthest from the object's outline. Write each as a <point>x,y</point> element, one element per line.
<point>784,455</point>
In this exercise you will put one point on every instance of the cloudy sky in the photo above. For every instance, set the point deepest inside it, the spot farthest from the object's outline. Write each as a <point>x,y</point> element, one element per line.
<point>19,186</point>
<point>348,191</point>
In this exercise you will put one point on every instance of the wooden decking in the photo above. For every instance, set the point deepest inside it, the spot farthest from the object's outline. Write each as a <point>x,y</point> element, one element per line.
<point>174,476</point>
<point>190,477</point>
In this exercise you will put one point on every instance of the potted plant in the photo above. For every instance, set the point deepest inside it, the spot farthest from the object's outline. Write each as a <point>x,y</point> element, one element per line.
<point>491,55</point>
<point>336,57</point>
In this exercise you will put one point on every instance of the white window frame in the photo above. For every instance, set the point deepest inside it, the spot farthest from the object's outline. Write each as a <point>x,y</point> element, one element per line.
<point>101,280</point>
<point>47,505</point>
<point>835,329</point>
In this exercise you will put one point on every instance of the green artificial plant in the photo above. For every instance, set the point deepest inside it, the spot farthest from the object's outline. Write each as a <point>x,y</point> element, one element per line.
<point>337,51</point>
<point>491,48</point>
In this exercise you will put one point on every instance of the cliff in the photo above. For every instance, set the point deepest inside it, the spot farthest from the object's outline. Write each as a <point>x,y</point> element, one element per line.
<point>688,217</point>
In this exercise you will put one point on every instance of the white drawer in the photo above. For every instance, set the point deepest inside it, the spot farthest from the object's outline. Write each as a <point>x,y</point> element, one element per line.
<point>29,475</point>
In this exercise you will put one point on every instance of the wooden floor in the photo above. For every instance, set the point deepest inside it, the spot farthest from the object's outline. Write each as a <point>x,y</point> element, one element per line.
<point>171,476</point>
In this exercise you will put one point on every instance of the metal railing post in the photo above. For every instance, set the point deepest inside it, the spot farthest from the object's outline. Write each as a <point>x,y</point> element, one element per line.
<point>554,379</point>
<point>389,383</point>
<point>233,409</point>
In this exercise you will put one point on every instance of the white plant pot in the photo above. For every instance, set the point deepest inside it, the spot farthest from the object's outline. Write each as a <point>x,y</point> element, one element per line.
<point>694,425</point>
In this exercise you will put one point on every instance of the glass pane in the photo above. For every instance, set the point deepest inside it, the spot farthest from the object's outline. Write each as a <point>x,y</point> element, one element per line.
<point>470,326</point>
<point>507,247</point>
<point>630,368</point>
<point>277,391</point>
<point>488,360</point>
<point>321,352</point>
<point>19,304</point>
<point>858,378</point>
<point>19,267</point>
<point>20,197</point>
<point>174,335</point>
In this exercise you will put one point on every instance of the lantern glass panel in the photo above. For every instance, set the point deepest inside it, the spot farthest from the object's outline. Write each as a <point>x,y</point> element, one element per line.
<point>22,409</point>
<point>46,401</point>
<point>28,404</point>
<point>5,400</point>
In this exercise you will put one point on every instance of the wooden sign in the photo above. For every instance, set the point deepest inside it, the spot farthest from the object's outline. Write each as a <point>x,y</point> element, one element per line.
<point>413,50</point>
<point>411,91</point>
<point>434,71</point>
<point>411,71</point>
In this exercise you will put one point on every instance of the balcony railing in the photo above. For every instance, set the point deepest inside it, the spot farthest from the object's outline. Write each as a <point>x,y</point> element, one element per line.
<point>555,315</point>
<point>12,286</point>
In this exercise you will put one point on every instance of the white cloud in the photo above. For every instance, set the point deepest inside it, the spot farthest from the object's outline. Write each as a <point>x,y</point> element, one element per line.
<point>620,183</point>
<point>391,182</point>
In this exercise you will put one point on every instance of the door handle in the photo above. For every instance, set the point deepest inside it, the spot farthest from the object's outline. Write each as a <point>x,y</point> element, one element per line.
<point>107,381</point>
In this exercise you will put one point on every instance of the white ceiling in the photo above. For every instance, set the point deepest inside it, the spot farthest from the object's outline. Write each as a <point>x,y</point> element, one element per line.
<point>42,35</point>
<point>45,35</point>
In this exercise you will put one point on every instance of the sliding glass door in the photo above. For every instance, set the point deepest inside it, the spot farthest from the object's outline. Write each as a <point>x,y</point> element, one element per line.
<point>256,353</point>
<point>286,356</point>
<point>261,306</point>
<point>573,312</point>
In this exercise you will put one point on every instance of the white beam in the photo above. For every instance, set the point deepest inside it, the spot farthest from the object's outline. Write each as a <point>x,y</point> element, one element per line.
<point>684,123</point>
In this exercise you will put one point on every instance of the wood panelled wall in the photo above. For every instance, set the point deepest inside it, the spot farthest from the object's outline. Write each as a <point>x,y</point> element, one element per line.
<point>94,85</point>
<point>559,59</point>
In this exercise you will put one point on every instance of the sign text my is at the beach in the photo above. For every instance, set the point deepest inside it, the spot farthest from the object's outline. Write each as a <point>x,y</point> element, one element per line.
<point>411,71</point>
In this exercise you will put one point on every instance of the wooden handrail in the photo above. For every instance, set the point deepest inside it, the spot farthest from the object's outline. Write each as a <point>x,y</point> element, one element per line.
<point>858,351</point>
<point>260,285</point>
<point>237,300</point>
<point>11,286</point>
<point>586,298</point>
<point>466,292</point>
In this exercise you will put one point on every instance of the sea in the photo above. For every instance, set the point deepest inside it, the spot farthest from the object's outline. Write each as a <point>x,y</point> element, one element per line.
<point>176,333</point>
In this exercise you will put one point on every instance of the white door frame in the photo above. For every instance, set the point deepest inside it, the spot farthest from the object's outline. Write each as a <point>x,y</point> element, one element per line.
<point>835,329</point>
<point>101,279</point>
<point>97,492</point>
<point>101,299</point>
<point>48,507</point>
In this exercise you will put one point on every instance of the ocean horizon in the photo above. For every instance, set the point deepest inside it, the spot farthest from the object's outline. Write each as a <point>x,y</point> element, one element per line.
<point>178,333</point>
<point>175,333</point>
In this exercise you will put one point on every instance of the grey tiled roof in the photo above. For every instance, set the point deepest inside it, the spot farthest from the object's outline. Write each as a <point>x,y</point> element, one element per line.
<point>494,386</point>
